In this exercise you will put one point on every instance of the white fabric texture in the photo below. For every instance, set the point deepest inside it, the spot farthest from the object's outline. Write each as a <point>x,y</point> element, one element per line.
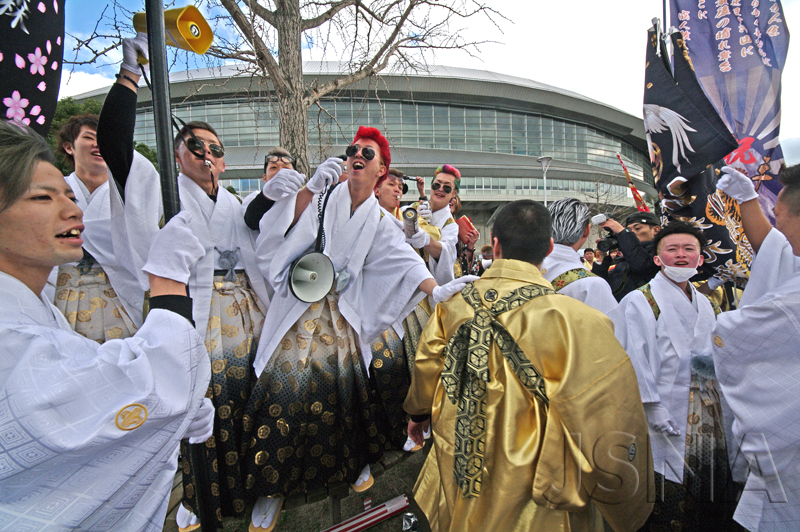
<point>97,241</point>
<point>217,224</point>
<point>175,250</point>
<point>661,353</point>
<point>774,264</point>
<point>384,272</point>
<point>64,462</point>
<point>594,291</point>
<point>758,369</point>
<point>736,185</point>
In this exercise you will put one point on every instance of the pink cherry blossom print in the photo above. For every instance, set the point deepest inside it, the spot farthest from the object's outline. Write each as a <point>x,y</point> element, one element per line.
<point>38,61</point>
<point>26,121</point>
<point>1,56</point>
<point>55,6</point>
<point>42,86</point>
<point>40,120</point>
<point>49,47</point>
<point>20,62</point>
<point>35,110</point>
<point>54,66</point>
<point>41,7</point>
<point>16,106</point>
<point>58,41</point>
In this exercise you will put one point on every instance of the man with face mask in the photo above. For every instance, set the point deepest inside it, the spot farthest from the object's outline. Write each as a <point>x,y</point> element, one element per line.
<point>664,326</point>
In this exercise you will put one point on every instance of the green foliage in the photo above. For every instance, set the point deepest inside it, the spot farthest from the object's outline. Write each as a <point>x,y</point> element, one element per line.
<point>66,108</point>
<point>149,153</point>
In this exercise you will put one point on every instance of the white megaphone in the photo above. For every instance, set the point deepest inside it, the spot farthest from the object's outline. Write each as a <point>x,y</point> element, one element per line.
<point>311,277</point>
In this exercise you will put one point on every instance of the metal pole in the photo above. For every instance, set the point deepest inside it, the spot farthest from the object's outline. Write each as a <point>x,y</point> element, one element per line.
<point>544,179</point>
<point>161,100</point>
<point>156,37</point>
<point>666,24</point>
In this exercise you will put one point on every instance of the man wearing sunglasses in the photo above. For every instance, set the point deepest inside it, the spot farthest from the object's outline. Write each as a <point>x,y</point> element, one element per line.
<point>277,160</point>
<point>438,236</point>
<point>229,295</point>
<point>313,356</point>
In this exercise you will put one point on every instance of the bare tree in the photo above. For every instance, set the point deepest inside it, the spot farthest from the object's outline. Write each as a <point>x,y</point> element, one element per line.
<point>267,37</point>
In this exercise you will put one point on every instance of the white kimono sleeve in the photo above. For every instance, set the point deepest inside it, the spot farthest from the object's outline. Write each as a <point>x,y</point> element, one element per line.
<point>91,431</point>
<point>635,328</point>
<point>773,264</point>
<point>758,369</point>
<point>442,268</point>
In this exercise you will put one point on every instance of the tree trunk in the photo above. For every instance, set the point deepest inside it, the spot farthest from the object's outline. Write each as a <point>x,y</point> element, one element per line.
<point>293,113</point>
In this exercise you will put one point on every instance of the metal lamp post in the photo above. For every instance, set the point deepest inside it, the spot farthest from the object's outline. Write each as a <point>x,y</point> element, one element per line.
<point>545,160</point>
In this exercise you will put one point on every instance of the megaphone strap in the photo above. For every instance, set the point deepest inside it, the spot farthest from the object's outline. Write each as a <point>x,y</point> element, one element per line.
<point>321,206</point>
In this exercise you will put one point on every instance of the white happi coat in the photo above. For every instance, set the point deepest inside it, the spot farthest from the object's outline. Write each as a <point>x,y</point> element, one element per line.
<point>96,236</point>
<point>217,225</point>
<point>757,358</point>
<point>661,353</point>
<point>383,272</point>
<point>65,463</point>
<point>594,291</point>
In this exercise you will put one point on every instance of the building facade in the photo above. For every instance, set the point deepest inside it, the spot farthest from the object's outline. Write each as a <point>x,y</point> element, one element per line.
<point>493,127</point>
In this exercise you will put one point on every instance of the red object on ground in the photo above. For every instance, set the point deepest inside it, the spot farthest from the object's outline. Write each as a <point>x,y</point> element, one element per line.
<point>372,517</point>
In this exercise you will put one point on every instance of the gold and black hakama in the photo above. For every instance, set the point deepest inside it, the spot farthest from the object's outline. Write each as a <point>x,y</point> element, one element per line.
<point>91,305</point>
<point>234,326</point>
<point>313,417</point>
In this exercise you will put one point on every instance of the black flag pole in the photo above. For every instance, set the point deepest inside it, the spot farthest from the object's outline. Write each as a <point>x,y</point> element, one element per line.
<point>156,37</point>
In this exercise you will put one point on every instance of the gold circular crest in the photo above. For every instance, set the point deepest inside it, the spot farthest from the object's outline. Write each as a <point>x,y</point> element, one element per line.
<point>131,417</point>
<point>718,341</point>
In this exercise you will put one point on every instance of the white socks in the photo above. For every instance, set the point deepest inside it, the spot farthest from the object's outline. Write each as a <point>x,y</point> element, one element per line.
<point>363,477</point>
<point>185,518</point>
<point>265,512</point>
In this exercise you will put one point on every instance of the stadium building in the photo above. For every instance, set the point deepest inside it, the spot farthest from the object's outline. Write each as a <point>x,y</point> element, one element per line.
<point>493,127</point>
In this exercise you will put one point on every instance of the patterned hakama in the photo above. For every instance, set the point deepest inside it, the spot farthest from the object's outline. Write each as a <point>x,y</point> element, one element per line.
<point>91,305</point>
<point>312,417</point>
<point>392,377</point>
<point>706,499</point>
<point>412,328</point>
<point>231,339</point>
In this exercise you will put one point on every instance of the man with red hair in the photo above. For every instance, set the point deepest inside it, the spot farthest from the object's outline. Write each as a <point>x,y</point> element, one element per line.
<point>312,417</point>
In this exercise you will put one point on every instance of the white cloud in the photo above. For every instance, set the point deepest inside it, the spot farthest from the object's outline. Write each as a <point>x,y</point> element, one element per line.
<point>80,82</point>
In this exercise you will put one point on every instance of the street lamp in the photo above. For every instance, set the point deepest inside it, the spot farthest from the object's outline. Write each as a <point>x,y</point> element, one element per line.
<point>545,160</point>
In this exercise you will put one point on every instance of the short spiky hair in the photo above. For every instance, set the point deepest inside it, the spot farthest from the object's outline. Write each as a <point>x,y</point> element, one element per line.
<point>383,144</point>
<point>195,124</point>
<point>70,131</point>
<point>523,229</point>
<point>570,218</point>
<point>677,228</point>
<point>789,177</point>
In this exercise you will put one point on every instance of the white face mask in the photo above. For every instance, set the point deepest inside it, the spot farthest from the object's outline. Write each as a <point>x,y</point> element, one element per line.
<point>679,274</point>
<point>486,263</point>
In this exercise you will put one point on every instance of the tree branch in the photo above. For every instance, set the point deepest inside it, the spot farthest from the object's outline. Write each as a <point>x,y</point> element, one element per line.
<point>319,20</point>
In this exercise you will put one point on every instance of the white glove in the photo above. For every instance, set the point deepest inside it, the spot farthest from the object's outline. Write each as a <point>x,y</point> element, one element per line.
<point>174,250</point>
<point>446,291</point>
<point>736,185</point>
<point>424,211</point>
<point>131,49</point>
<point>285,183</point>
<point>660,420</point>
<point>420,239</point>
<point>327,174</point>
<point>202,426</point>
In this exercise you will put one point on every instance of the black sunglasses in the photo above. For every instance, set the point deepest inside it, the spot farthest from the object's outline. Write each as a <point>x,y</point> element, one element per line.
<point>275,158</point>
<point>446,188</point>
<point>196,145</point>
<point>366,152</point>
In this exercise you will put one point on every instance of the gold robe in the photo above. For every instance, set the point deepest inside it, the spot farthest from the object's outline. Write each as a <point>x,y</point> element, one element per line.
<point>552,468</point>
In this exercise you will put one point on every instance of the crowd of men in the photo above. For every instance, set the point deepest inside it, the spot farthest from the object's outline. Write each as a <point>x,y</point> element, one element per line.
<point>560,392</point>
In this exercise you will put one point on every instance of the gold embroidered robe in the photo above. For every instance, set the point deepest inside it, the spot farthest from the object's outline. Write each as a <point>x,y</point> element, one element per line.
<point>552,468</point>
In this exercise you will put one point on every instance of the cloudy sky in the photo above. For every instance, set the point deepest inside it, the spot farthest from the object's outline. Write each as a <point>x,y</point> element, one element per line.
<point>590,47</point>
